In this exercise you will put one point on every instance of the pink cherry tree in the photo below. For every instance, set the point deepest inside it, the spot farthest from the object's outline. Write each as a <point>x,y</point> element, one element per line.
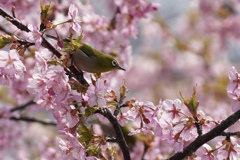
<point>52,110</point>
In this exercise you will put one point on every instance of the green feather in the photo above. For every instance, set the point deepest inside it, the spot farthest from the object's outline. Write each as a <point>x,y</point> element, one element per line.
<point>89,59</point>
<point>89,51</point>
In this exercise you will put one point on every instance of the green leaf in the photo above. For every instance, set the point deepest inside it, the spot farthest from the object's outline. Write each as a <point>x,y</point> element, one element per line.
<point>45,10</point>
<point>90,111</point>
<point>192,103</point>
<point>93,150</point>
<point>4,42</point>
<point>85,133</point>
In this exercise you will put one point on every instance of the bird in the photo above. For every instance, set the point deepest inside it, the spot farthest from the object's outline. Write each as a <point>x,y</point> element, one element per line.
<point>89,59</point>
<point>92,60</point>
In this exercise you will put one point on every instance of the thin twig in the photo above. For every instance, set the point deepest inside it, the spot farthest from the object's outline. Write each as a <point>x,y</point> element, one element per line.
<point>22,106</point>
<point>228,134</point>
<point>117,110</point>
<point>25,43</point>
<point>13,20</point>
<point>77,74</point>
<point>198,125</point>
<point>112,24</point>
<point>27,119</point>
<point>111,139</point>
<point>13,11</point>
<point>144,151</point>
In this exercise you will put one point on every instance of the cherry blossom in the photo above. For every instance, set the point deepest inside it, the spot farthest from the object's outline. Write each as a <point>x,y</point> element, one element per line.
<point>206,152</point>
<point>75,19</point>
<point>142,130</point>
<point>162,56</point>
<point>35,35</point>
<point>71,147</point>
<point>228,149</point>
<point>233,89</point>
<point>172,109</point>
<point>11,65</point>
<point>96,94</point>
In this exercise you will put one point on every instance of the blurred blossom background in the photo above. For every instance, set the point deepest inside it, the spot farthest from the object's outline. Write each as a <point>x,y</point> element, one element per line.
<point>183,44</point>
<point>187,43</point>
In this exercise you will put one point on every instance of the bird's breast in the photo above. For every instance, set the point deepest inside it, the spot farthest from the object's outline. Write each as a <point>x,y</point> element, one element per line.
<point>85,63</point>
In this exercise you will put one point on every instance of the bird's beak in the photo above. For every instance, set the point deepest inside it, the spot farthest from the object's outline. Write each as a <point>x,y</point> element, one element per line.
<point>121,68</point>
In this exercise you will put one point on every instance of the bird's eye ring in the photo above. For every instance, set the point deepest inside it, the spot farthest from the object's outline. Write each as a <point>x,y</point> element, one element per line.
<point>114,63</point>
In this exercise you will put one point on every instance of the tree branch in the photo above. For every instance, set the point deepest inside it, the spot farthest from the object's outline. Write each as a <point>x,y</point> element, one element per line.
<point>112,24</point>
<point>22,106</point>
<point>119,134</point>
<point>198,125</point>
<point>27,119</point>
<point>228,134</point>
<point>13,20</point>
<point>108,139</point>
<point>77,74</point>
<point>198,142</point>
<point>4,30</point>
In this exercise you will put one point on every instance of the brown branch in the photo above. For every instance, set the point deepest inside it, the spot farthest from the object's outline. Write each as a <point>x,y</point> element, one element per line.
<point>22,106</point>
<point>198,125</point>
<point>27,119</point>
<point>144,151</point>
<point>13,20</point>
<point>228,134</point>
<point>4,30</point>
<point>13,11</point>
<point>49,46</point>
<point>25,43</point>
<point>112,24</point>
<point>119,134</point>
<point>198,142</point>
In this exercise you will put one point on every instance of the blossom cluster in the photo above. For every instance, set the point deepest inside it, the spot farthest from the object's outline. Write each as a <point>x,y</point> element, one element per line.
<point>30,72</point>
<point>48,84</point>
<point>233,88</point>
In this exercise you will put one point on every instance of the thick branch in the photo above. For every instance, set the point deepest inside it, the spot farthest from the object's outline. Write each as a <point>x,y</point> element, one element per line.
<point>13,20</point>
<point>119,134</point>
<point>4,30</point>
<point>26,119</point>
<point>198,142</point>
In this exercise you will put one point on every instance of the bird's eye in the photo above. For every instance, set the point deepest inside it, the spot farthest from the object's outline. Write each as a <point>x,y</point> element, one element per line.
<point>114,63</point>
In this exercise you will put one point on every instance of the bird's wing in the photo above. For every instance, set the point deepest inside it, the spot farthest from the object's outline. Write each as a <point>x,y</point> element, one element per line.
<point>88,50</point>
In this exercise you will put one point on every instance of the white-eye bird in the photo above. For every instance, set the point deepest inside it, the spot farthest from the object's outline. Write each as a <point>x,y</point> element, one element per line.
<point>91,60</point>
